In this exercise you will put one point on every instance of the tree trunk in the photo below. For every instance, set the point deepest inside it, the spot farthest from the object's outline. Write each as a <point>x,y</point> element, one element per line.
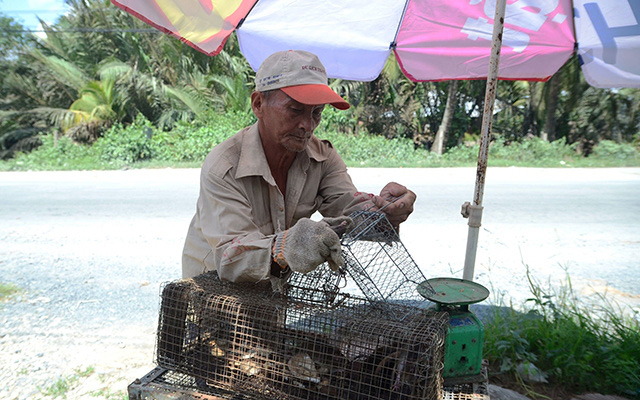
<point>533,112</point>
<point>443,129</point>
<point>550,113</point>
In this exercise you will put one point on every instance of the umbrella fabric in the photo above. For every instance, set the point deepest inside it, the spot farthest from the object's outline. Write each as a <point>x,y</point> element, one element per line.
<point>608,34</point>
<point>352,38</point>
<point>451,39</point>
<point>432,39</point>
<point>202,24</point>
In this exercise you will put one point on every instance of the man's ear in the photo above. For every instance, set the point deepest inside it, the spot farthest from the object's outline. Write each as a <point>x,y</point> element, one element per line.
<point>257,103</point>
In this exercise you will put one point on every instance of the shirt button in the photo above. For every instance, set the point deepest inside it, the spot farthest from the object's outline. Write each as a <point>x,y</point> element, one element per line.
<point>281,209</point>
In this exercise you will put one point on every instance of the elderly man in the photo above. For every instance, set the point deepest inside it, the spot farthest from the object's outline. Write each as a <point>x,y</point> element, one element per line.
<point>259,187</point>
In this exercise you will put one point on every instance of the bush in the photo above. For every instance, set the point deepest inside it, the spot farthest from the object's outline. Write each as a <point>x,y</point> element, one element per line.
<point>530,152</point>
<point>534,151</point>
<point>126,144</point>
<point>611,150</point>
<point>377,151</point>
<point>462,154</point>
<point>61,154</point>
<point>140,141</point>
<point>141,144</point>
<point>192,142</point>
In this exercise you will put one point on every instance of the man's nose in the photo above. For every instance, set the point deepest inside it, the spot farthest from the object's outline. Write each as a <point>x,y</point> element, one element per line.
<point>307,122</point>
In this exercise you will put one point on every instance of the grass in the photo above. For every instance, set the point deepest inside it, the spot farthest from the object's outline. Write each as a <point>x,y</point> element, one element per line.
<point>106,393</point>
<point>63,385</point>
<point>578,346</point>
<point>7,290</point>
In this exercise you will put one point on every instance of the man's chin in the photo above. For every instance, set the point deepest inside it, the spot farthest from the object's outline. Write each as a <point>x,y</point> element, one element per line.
<point>296,145</point>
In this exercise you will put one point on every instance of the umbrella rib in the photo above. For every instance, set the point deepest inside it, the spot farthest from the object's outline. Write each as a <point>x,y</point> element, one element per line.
<point>393,43</point>
<point>246,15</point>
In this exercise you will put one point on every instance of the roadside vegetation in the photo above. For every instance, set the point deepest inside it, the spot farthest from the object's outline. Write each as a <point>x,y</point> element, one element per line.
<point>101,89</point>
<point>62,386</point>
<point>557,344</point>
<point>142,145</point>
<point>8,290</point>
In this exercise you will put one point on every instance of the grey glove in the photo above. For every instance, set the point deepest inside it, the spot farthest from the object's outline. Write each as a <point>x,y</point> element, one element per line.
<point>308,244</point>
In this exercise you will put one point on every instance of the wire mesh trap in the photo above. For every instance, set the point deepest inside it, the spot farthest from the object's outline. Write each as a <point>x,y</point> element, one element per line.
<point>375,260</point>
<point>242,338</point>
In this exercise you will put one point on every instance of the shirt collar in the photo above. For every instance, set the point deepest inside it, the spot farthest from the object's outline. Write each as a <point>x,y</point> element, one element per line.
<point>253,162</point>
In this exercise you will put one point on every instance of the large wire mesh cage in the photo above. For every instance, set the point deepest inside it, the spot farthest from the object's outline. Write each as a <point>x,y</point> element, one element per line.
<point>361,332</point>
<point>245,339</point>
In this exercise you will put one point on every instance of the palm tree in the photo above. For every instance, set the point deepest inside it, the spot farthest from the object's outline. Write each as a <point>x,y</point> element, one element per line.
<point>560,94</point>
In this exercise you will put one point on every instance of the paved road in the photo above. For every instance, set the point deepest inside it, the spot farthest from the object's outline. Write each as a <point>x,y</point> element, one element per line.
<point>91,249</point>
<point>584,220</point>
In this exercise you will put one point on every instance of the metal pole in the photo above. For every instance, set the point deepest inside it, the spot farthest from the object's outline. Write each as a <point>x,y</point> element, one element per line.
<point>474,211</point>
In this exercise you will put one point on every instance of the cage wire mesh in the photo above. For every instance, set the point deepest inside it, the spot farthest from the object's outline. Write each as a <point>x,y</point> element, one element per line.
<point>375,260</point>
<point>316,340</point>
<point>243,338</point>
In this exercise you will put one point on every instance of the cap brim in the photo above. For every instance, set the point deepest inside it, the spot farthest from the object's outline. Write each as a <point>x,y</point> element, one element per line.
<point>315,94</point>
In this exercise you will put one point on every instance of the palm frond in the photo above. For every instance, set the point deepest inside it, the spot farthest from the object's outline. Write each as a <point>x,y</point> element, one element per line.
<point>184,97</point>
<point>62,71</point>
<point>62,118</point>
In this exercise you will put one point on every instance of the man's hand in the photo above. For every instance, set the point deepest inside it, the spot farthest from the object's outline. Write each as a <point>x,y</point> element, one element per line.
<point>308,244</point>
<point>397,201</point>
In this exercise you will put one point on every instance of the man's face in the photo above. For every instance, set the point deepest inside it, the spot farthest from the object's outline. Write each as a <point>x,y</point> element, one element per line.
<point>285,122</point>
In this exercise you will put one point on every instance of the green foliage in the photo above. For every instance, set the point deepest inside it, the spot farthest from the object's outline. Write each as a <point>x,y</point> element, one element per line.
<point>608,149</point>
<point>126,145</point>
<point>192,142</point>
<point>589,347</point>
<point>377,151</point>
<point>338,120</point>
<point>61,154</point>
<point>461,155</point>
<point>532,151</point>
<point>62,386</point>
<point>141,145</point>
<point>7,290</point>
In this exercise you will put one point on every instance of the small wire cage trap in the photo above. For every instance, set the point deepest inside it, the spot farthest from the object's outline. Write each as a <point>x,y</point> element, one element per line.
<point>378,263</point>
<point>243,339</point>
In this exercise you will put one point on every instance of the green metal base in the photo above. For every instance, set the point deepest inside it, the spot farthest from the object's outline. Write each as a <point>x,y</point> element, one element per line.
<point>465,334</point>
<point>463,349</point>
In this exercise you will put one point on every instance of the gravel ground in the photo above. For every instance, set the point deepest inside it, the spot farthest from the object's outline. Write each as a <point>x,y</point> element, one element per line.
<point>87,312</point>
<point>90,289</point>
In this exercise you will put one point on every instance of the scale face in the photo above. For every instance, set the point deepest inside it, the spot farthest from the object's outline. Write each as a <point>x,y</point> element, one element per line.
<point>453,291</point>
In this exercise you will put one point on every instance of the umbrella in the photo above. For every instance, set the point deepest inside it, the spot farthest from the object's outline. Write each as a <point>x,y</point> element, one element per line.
<point>431,39</point>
